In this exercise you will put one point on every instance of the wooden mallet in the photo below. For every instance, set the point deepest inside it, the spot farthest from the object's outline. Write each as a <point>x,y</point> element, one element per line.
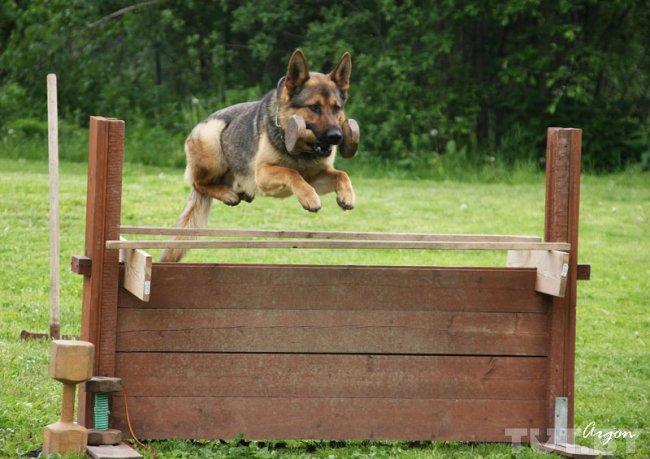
<point>296,135</point>
<point>71,362</point>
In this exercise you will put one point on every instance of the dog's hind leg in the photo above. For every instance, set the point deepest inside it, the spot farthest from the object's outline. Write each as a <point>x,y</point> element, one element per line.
<point>207,168</point>
<point>206,165</point>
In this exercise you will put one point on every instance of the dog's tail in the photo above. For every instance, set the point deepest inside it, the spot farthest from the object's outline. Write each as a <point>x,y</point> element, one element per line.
<point>194,215</point>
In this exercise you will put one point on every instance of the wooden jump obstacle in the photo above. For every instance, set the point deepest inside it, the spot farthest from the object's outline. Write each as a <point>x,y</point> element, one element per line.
<point>334,352</point>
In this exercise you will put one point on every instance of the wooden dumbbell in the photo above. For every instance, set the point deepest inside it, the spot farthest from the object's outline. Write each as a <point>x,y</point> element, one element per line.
<point>71,362</point>
<point>296,135</point>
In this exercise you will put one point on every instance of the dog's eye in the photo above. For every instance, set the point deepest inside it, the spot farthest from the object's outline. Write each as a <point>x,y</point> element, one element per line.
<point>315,108</point>
<point>336,109</point>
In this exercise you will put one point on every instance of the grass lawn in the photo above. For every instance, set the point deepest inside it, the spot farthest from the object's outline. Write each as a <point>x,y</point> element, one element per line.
<point>613,336</point>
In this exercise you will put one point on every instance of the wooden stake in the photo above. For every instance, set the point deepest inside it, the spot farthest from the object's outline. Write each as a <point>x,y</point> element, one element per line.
<point>53,153</point>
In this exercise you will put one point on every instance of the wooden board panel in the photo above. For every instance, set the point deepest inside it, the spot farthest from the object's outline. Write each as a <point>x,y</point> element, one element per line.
<point>340,287</point>
<point>332,331</point>
<point>332,376</point>
<point>327,418</point>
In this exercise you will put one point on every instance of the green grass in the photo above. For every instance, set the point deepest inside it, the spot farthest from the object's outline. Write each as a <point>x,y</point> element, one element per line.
<point>613,336</point>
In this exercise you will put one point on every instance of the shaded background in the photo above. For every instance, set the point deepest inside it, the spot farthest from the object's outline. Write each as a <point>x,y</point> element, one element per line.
<point>477,79</point>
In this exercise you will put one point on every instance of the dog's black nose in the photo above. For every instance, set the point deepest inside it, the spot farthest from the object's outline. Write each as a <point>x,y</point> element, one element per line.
<point>334,136</point>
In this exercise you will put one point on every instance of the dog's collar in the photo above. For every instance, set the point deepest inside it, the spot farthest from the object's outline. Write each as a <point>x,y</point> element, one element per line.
<point>278,90</point>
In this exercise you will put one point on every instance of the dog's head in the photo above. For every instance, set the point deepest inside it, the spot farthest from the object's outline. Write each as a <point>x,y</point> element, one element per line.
<point>319,98</point>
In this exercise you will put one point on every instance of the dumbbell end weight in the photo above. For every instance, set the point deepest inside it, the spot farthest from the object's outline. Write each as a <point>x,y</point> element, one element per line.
<point>296,135</point>
<point>350,142</point>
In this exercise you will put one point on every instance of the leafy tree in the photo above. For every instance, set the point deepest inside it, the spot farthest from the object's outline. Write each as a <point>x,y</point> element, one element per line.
<point>441,77</point>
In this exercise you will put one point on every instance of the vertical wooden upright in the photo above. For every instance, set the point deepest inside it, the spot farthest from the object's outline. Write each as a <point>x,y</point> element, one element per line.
<point>103,207</point>
<point>563,153</point>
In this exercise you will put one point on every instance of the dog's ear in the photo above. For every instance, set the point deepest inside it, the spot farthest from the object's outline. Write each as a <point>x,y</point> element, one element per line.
<point>297,73</point>
<point>341,74</point>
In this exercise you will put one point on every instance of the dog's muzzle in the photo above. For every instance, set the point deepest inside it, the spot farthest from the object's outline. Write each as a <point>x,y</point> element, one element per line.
<point>334,136</point>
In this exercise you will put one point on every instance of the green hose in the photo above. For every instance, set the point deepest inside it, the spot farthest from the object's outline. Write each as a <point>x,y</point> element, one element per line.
<point>101,411</point>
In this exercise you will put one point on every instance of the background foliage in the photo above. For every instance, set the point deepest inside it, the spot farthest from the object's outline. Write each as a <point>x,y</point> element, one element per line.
<point>475,80</point>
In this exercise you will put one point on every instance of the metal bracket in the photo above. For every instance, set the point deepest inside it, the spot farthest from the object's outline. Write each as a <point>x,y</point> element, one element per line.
<point>560,431</point>
<point>559,444</point>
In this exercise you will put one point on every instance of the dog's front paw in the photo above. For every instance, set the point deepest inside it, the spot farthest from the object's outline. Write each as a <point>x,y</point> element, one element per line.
<point>345,205</point>
<point>310,202</point>
<point>346,199</point>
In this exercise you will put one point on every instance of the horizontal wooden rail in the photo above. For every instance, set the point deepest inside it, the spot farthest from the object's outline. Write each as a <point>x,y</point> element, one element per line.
<point>352,236</point>
<point>336,244</point>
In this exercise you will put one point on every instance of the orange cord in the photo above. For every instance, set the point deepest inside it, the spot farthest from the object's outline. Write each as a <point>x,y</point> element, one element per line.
<point>128,421</point>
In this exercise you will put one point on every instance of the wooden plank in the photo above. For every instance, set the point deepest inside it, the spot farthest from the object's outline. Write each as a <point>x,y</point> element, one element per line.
<point>333,244</point>
<point>327,418</point>
<point>378,332</point>
<point>349,235</point>
<point>100,289</point>
<point>153,374</point>
<point>341,288</point>
<point>563,153</point>
<point>552,268</point>
<point>137,272</point>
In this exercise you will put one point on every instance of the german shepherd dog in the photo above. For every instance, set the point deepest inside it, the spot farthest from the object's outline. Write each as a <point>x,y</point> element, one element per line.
<point>239,152</point>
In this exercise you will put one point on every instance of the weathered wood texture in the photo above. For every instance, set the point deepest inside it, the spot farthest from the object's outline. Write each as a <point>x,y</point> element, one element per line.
<point>331,310</point>
<point>341,332</point>
<point>298,287</point>
<point>331,396</point>
<point>334,418</point>
<point>563,153</point>
<point>330,376</point>
<point>334,352</point>
<point>100,289</point>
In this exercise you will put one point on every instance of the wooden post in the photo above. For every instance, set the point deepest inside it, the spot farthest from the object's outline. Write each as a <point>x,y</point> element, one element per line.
<point>53,154</point>
<point>100,289</point>
<point>561,225</point>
